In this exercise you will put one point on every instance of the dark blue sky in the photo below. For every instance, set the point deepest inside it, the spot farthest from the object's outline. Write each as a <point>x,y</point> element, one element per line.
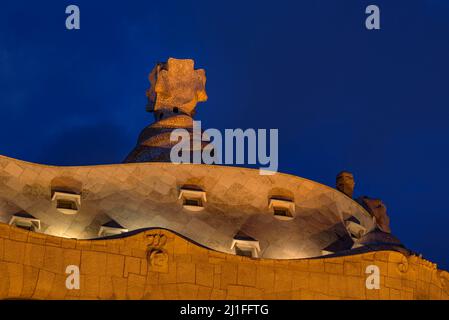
<point>371,102</point>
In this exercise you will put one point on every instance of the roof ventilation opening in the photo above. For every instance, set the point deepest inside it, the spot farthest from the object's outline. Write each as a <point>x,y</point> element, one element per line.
<point>245,246</point>
<point>192,200</point>
<point>25,221</point>
<point>244,251</point>
<point>67,203</point>
<point>355,229</point>
<point>282,209</point>
<point>111,228</point>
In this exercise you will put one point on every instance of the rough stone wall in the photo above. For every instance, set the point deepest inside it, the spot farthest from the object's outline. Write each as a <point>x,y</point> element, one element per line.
<point>158,264</point>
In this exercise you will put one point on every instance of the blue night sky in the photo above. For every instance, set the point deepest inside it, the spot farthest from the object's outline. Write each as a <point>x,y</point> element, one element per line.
<point>375,103</point>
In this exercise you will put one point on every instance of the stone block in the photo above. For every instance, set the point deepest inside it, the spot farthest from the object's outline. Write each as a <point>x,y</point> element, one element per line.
<point>265,278</point>
<point>395,294</point>
<point>204,293</point>
<point>138,252</point>
<point>300,280</point>
<point>83,244</point>
<point>333,268</point>
<point>319,282</point>
<point>15,273</point>
<point>384,293</point>
<point>132,265</point>
<point>136,286</point>
<point>235,290</point>
<point>246,275</point>
<point>169,277</point>
<point>180,246</point>
<point>53,259</point>
<point>217,281</point>
<point>71,257</point>
<point>393,283</point>
<point>53,241</point>
<point>316,265</point>
<point>19,234</point>
<point>382,256</point>
<point>4,231</point>
<point>94,263</point>
<point>353,268</point>
<point>30,277</point>
<point>185,272</point>
<point>37,238</point>
<point>90,286</point>
<point>59,289</point>
<point>170,291</point>
<point>106,288</point>
<point>205,275</point>
<point>372,294</point>
<point>153,292</point>
<point>282,280</point>
<point>355,287</point>
<point>337,285</point>
<point>2,249</point>
<point>187,291</point>
<point>228,275</point>
<point>218,294</point>
<point>14,251</point>
<point>68,243</point>
<point>115,265</point>
<point>44,284</point>
<point>120,287</point>
<point>34,255</point>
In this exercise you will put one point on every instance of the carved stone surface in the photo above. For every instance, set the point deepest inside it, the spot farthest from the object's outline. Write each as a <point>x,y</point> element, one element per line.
<point>32,266</point>
<point>157,255</point>
<point>379,211</point>
<point>403,265</point>
<point>345,183</point>
<point>444,279</point>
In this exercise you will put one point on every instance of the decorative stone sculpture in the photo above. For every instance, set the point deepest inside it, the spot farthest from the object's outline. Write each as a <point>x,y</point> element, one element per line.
<point>176,88</point>
<point>157,255</point>
<point>176,84</point>
<point>444,278</point>
<point>345,183</point>
<point>378,210</point>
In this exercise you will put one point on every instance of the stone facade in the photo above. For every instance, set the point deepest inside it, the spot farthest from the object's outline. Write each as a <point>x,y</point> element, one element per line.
<point>158,264</point>
<point>196,231</point>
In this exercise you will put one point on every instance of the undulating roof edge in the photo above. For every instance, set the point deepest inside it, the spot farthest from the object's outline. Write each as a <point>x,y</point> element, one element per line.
<point>167,164</point>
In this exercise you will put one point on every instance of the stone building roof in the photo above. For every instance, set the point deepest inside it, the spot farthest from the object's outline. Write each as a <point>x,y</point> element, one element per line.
<point>281,216</point>
<point>145,195</point>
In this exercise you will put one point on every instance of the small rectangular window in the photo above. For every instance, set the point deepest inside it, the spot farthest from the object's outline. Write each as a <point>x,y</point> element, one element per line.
<point>28,227</point>
<point>281,212</point>
<point>192,202</point>
<point>282,209</point>
<point>66,204</point>
<point>246,252</point>
<point>246,248</point>
<point>25,221</point>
